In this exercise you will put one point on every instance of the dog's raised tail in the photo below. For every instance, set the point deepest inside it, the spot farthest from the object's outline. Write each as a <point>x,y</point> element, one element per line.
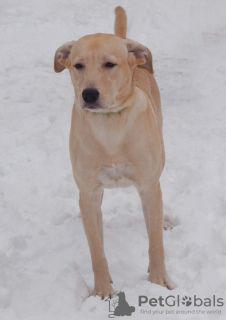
<point>120,22</point>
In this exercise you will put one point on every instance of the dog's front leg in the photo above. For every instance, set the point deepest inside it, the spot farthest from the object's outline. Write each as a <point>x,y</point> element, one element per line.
<point>151,198</point>
<point>90,203</point>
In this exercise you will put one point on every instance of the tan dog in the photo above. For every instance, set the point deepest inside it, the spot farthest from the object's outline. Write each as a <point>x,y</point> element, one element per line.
<point>116,137</point>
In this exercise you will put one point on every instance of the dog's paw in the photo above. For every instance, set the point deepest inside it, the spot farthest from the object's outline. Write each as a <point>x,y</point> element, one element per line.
<point>102,280</point>
<point>103,289</point>
<point>162,280</point>
<point>167,225</point>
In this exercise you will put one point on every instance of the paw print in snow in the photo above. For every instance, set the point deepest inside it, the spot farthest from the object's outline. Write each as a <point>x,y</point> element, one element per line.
<point>186,301</point>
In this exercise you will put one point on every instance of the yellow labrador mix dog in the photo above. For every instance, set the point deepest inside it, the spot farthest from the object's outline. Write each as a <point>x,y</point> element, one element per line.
<point>116,137</point>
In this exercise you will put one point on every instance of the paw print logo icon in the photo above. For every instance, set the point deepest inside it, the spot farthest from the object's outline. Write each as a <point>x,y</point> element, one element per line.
<point>186,301</point>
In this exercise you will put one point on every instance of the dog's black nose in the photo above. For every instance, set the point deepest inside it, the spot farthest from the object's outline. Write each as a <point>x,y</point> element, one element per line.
<point>90,95</point>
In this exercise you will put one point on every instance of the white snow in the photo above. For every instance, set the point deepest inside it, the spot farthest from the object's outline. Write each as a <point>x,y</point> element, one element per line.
<point>45,266</point>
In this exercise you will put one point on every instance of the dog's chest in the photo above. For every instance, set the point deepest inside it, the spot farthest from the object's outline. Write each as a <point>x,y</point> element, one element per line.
<point>116,176</point>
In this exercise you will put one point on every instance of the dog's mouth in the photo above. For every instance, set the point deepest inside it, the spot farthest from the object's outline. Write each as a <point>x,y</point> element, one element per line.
<point>92,107</point>
<point>98,108</point>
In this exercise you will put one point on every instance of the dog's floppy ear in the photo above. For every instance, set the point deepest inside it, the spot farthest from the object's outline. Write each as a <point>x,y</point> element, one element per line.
<point>142,54</point>
<point>61,56</point>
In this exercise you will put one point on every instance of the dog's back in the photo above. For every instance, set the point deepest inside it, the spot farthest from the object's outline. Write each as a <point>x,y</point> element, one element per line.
<point>143,79</point>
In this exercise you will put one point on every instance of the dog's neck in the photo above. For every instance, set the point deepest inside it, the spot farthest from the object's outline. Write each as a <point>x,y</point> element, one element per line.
<point>110,130</point>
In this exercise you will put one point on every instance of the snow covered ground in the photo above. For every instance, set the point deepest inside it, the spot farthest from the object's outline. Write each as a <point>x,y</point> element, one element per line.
<point>45,266</point>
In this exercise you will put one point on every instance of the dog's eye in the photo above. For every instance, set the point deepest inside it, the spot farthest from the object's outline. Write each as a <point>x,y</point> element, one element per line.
<point>110,65</point>
<point>78,66</point>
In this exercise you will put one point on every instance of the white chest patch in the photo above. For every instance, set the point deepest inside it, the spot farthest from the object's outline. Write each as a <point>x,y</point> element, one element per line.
<point>118,176</point>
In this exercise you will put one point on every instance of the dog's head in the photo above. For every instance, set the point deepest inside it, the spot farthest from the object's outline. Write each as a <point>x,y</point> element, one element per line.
<point>101,68</point>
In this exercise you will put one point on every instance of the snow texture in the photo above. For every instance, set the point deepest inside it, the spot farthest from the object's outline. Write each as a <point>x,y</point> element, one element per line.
<point>45,265</point>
